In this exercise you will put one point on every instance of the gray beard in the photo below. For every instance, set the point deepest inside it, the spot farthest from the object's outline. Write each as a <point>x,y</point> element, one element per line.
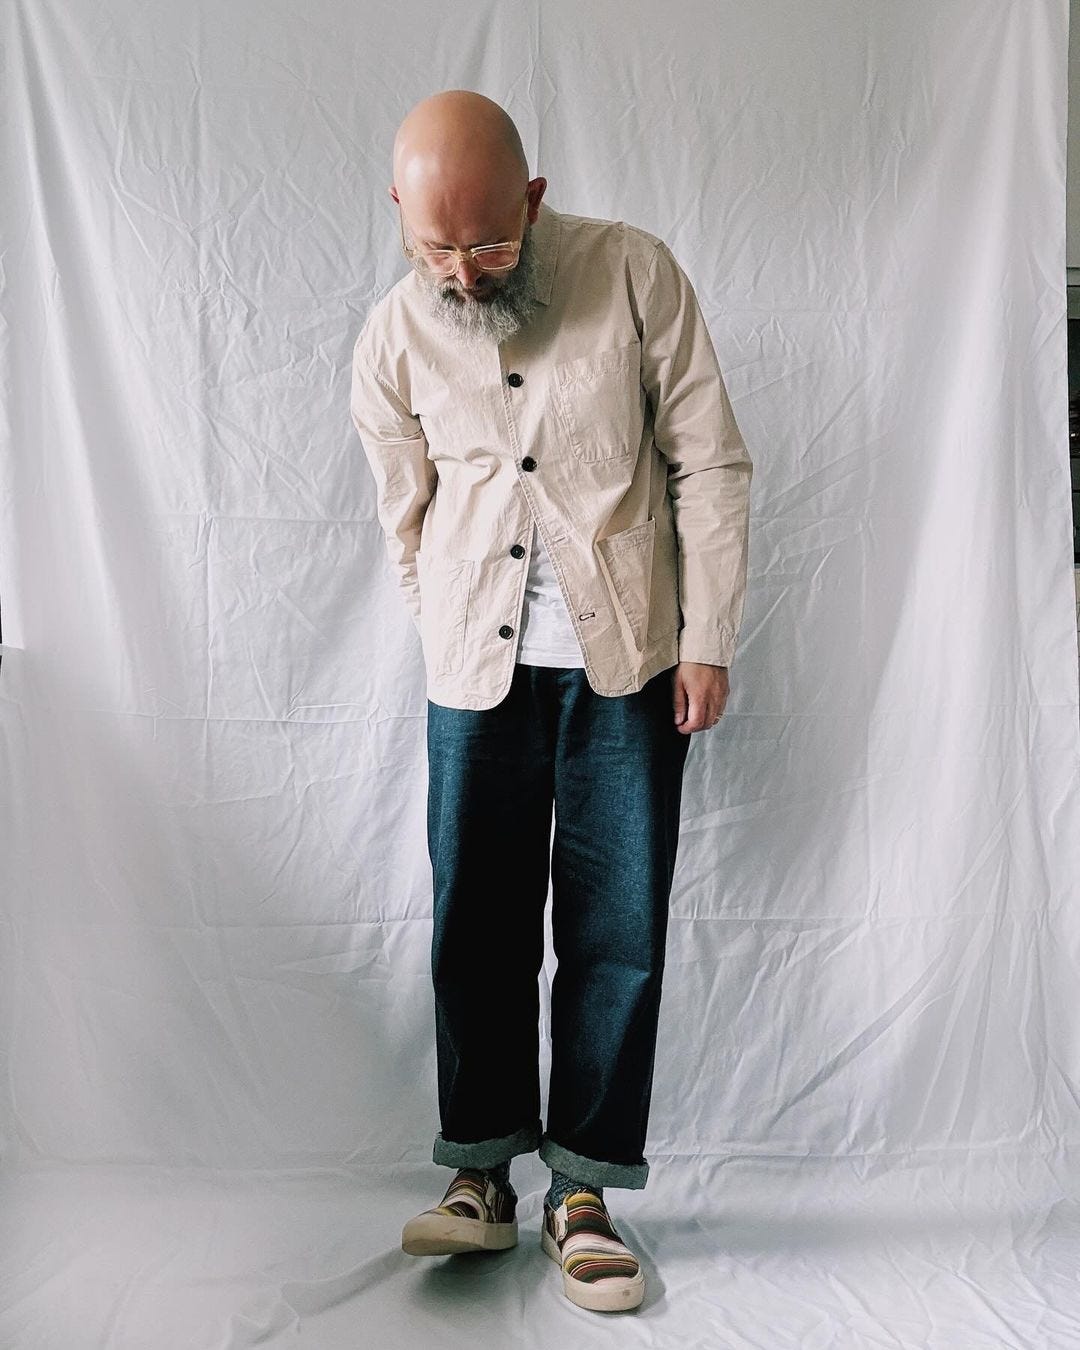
<point>508,308</point>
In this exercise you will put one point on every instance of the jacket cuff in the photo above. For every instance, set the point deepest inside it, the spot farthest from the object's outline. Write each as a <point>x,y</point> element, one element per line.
<point>709,647</point>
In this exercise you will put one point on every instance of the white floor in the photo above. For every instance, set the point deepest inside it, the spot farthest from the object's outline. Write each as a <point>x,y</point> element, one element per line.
<point>932,1253</point>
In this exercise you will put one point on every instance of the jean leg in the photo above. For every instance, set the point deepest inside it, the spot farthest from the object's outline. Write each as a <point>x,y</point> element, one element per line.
<point>618,784</point>
<point>490,798</point>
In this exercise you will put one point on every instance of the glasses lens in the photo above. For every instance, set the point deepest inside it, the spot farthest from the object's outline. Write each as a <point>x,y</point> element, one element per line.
<point>495,259</point>
<point>439,262</point>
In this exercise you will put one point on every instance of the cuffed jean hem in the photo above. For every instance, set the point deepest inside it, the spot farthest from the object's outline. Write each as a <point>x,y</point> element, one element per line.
<point>486,1152</point>
<point>631,1176</point>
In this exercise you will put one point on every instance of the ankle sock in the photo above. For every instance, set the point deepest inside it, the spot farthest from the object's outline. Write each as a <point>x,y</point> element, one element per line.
<point>563,1185</point>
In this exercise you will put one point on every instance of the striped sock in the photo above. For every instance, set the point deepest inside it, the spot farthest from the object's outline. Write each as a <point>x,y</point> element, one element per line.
<point>500,1175</point>
<point>563,1185</point>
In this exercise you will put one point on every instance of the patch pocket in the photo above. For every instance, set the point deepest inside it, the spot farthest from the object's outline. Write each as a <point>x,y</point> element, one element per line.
<point>628,558</point>
<point>445,586</point>
<point>600,403</point>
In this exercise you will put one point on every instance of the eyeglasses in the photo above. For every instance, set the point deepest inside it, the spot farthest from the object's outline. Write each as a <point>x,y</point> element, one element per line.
<point>443,262</point>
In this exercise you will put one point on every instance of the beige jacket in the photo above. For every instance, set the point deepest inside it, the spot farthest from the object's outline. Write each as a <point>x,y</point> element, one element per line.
<point>604,423</point>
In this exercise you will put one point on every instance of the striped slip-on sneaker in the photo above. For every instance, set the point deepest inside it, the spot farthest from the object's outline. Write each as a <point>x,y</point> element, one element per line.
<point>473,1216</point>
<point>599,1271</point>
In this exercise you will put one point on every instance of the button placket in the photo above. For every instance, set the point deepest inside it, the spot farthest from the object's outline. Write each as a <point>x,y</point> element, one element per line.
<point>516,380</point>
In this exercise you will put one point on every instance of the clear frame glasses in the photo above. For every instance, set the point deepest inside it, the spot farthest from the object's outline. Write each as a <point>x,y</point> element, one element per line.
<point>443,262</point>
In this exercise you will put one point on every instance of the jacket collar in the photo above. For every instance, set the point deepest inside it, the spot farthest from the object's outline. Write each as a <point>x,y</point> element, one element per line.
<point>544,235</point>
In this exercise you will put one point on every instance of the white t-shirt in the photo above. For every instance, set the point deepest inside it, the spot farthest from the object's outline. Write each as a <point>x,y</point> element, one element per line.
<point>547,635</point>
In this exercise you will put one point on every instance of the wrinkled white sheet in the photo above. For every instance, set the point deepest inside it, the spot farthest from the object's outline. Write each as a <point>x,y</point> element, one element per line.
<point>218,1101</point>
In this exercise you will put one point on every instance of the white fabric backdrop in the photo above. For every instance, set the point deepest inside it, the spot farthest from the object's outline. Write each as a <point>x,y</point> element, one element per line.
<point>218,1089</point>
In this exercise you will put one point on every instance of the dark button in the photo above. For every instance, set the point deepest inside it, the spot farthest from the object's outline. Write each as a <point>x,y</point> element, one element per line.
<point>517,551</point>
<point>528,463</point>
<point>515,379</point>
<point>506,631</point>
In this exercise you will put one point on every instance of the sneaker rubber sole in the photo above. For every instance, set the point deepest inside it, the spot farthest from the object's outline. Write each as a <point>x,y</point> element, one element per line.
<point>435,1234</point>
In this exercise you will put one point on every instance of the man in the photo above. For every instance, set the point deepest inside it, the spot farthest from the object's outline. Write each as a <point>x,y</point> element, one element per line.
<point>564,494</point>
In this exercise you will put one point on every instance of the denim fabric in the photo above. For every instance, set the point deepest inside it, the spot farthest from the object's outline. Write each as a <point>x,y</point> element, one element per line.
<point>611,768</point>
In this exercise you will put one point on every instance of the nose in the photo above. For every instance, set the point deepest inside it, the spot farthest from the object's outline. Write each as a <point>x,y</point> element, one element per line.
<point>467,275</point>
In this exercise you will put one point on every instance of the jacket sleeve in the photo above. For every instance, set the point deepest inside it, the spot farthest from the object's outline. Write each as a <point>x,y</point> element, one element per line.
<point>405,478</point>
<point>709,469</point>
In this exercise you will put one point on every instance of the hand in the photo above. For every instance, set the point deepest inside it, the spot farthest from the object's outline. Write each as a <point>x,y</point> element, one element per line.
<point>701,694</point>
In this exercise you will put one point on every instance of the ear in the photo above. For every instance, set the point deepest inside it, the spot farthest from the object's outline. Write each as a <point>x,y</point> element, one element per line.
<point>393,193</point>
<point>539,186</point>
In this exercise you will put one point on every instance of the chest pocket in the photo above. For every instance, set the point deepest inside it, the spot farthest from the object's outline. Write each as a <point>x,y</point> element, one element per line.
<point>600,401</point>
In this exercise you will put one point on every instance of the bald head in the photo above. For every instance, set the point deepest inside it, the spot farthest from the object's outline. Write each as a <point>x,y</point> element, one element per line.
<point>458,140</point>
<point>461,174</point>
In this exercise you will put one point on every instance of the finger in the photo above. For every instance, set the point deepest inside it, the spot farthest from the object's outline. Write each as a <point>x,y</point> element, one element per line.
<point>680,701</point>
<point>698,716</point>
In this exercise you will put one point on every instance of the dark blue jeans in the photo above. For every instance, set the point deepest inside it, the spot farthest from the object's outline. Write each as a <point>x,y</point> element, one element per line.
<point>612,769</point>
